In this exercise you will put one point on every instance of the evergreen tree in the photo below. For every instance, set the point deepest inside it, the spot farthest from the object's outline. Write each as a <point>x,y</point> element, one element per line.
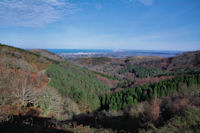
<point>129,100</point>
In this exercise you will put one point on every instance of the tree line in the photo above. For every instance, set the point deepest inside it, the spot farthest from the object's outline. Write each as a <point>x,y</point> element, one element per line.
<point>122,99</point>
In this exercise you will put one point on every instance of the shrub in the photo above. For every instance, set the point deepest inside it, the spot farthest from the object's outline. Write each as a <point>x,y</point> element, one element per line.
<point>177,106</point>
<point>4,51</point>
<point>153,110</point>
<point>42,60</point>
<point>136,110</point>
<point>182,123</point>
<point>16,54</point>
<point>22,64</point>
<point>52,103</point>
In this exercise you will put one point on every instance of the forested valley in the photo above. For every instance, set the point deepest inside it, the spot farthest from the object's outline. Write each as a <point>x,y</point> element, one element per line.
<point>43,92</point>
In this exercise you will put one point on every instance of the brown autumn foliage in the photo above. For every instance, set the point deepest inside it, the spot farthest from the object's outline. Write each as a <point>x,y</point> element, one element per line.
<point>16,83</point>
<point>47,54</point>
<point>177,105</point>
<point>142,81</point>
<point>110,82</point>
<point>185,61</point>
<point>29,57</point>
<point>19,83</point>
<point>153,110</point>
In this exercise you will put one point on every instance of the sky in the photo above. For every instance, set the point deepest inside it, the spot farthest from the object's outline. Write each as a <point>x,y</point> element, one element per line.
<point>101,24</point>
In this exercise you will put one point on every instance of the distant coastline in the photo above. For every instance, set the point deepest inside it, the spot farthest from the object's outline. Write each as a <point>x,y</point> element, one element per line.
<point>83,53</point>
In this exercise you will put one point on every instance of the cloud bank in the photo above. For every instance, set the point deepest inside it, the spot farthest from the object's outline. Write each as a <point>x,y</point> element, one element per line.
<point>33,13</point>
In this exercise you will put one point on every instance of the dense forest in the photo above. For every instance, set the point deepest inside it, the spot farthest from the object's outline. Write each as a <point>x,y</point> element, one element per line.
<point>141,71</point>
<point>127,97</point>
<point>77,83</point>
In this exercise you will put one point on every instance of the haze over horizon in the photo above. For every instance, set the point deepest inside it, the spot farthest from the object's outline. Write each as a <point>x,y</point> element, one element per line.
<point>101,24</point>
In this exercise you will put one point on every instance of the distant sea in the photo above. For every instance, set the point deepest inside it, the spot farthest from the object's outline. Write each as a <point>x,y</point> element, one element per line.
<point>58,51</point>
<point>112,53</point>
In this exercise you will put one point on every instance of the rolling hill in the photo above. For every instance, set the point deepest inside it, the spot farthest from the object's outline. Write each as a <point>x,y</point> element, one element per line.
<point>44,80</point>
<point>42,92</point>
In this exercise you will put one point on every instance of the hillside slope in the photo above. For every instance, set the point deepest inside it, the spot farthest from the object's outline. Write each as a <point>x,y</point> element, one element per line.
<point>47,54</point>
<point>44,82</point>
<point>41,93</point>
<point>139,70</point>
<point>185,61</point>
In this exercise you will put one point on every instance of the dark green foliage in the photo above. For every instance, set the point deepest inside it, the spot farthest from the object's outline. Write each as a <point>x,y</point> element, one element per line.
<point>121,84</point>
<point>173,73</point>
<point>196,128</point>
<point>124,83</point>
<point>108,76</point>
<point>141,71</point>
<point>77,83</point>
<point>119,100</point>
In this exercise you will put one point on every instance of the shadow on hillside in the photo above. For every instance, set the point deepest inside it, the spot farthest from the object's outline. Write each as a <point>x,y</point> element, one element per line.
<point>29,124</point>
<point>116,123</point>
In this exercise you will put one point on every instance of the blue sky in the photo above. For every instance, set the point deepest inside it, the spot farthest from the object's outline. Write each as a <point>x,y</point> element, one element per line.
<point>101,24</point>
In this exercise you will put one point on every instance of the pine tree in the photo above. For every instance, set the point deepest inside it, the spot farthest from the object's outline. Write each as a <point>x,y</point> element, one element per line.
<point>139,93</point>
<point>129,100</point>
<point>162,92</point>
<point>198,79</point>
<point>103,100</point>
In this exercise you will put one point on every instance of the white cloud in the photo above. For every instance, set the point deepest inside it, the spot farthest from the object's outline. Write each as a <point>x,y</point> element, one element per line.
<point>33,13</point>
<point>147,2</point>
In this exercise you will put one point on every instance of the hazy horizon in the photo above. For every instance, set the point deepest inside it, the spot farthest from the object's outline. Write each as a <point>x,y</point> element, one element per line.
<point>110,49</point>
